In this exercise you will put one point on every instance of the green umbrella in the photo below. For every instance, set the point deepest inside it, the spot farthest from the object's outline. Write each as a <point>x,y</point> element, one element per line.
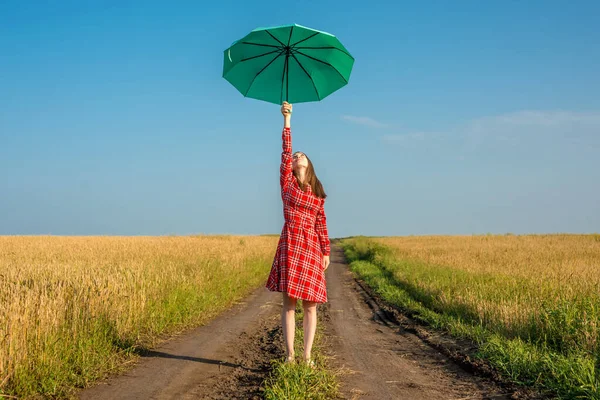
<point>287,63</point>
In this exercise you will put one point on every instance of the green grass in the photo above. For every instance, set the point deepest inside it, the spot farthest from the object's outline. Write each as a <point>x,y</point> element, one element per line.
<point>298,381</point>
<point>548,359</point>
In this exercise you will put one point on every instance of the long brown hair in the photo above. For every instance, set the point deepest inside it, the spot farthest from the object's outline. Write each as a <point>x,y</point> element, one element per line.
<point>312,180</point>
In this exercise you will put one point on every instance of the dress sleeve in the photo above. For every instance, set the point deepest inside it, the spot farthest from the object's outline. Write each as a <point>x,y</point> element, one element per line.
<point>285,170</point>
<point>321,228</point>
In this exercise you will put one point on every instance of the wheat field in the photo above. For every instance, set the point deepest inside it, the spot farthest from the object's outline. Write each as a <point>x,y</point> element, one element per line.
<point>520,285</point>
<point>74,308</point>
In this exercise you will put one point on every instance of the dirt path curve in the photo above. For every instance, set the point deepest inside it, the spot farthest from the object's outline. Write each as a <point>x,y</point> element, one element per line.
<point>230,357</point>
<point>385,361</point>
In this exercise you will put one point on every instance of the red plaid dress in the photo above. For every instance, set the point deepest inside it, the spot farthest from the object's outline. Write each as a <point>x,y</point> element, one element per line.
<point>298,265</point>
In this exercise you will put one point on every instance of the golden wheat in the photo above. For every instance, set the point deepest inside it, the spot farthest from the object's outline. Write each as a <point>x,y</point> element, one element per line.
<point>55,288</point>
<point>518,285</point>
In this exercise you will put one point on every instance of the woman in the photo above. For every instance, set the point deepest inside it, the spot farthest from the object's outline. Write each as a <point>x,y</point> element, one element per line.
<point>302,256</point>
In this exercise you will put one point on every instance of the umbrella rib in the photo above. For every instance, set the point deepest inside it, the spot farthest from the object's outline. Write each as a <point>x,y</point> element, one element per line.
<point>270,34</point>
<point>261,44</point>
<point>260,72</point>
<point>290,38</point>
<point>260,55</point>
<point>324,48</point>
<point>283,75</point>
<point>306,38</point>
<point>323,62</point>
<point>307,74</point>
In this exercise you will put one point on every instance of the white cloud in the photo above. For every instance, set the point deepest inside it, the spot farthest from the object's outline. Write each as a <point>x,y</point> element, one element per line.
<point>364,121</point>
<point>540,119</point>
<point>522,128</point>
<point>404,137</point>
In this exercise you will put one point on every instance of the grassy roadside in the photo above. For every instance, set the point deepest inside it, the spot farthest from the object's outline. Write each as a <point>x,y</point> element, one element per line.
<point>298,381</point>
<point>548,357</point>
<point>73,309</point>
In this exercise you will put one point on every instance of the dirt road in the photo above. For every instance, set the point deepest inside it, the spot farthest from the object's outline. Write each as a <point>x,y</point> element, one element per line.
<point>229,357</point>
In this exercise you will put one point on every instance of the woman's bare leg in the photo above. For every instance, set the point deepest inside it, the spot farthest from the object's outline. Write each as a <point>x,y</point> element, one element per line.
<point>310,326</point>
<point>288,323</point>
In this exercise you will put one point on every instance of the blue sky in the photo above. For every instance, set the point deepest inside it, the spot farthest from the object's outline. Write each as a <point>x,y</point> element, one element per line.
<point>460,118</point>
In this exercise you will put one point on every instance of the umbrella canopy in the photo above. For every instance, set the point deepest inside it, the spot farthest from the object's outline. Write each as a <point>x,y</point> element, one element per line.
<point>287,63</point>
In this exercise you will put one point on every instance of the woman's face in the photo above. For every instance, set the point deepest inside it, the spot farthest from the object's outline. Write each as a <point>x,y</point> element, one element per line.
<point>299,160</point>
